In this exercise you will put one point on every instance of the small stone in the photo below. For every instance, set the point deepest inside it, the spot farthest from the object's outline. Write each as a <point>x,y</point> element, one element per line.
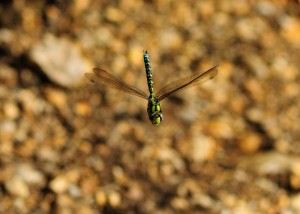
<point>30,174</point>
<point>268,163</point>
<point>203,148</point>
<point>101,198</point>
<point>82,109</point>
<point>203,200</point>
<point>114,14</point>
<point>179,203</point>
<point>135,52</point>
<point>61,60</point>
<point>56,97</point>
<point>258,65</point>
<point>31,102</point>
<point>170,39</point>
<point>295,203</point>
<point>64,201</point>
<point>206,8</point>
<point>17,186</point>
<point>119,175</point>
<point>8,129</point>
<point>250,142</point>
<point>87,185</point>
<point>256,90</point>
<point>8,75</point>
<point>295,177</point>
<point>221,127</point>
<point>291,30</point>
<point>255,114</point>
<point>6,147</point>
<point>246,30</point>
<point>267,8</point>
<point>282,145</point>
<point>86,209</point>
<point>114,199</point>
<point>135,192</point>
<point>80,6</point>
<point>59,184</point>
<point>295,182</point>
<point>11,110</point>
<point>75,191</point>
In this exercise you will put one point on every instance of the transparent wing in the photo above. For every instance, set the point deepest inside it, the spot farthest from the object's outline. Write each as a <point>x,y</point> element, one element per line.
<point>186,82</point>
<point>104,78</point>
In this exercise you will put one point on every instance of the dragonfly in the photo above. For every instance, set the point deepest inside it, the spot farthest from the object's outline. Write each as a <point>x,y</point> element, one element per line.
<point>102,77</point>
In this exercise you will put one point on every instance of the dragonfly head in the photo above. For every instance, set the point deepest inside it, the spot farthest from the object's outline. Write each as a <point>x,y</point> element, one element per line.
<point>154,111</point>
<point>156,118</point>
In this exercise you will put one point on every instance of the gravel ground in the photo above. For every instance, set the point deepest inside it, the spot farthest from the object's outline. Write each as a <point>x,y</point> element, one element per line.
<point>231,145</point>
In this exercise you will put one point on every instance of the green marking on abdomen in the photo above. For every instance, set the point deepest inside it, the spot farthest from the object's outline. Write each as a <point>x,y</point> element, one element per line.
<point>148,73</point>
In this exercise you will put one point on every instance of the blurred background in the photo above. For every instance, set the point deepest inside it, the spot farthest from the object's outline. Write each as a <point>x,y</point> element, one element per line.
<point>230,145</point>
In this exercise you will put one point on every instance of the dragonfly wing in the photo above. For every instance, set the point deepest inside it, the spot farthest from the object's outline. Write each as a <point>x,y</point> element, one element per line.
<point>104,78</point>
<point>186,82</point>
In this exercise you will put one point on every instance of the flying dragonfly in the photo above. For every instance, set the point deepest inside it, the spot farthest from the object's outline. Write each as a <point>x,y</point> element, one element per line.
<point>102,77</point>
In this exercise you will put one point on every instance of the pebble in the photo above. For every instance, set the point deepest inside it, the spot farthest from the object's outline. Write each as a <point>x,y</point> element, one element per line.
<point>64,201</point>
<point>11,110</point>
<point>203,148</point>
<point>274,163</point>
<point>291,30</point>
<point>135,55</point>
<point>179,203</point>
<point>295,182</point>
<point>61,60</point>
<point>295,203</point>
<point>119,175</point>
<point>8,129</point>
<point>295,177</point>
<point>59,184</point>
<point>135,192</point>
<point>170,39</point>
<point>268,163</point>
<point>267,8</point>
<point>255,89</point>
<point>79,6</point>
<point>203,200</point>
<point>82,109</point>
<point>221,127</point>
<point>114,199</point>
<point>250,142</point>
<point>56,97</point>
<point>100,197</point>
<point>75,191</point>
<point>258,66</point>
<point>114,14</point>
<point>8,75</point>
<point>31,103</point>
<point>17,186</point>
<point>30,175</point>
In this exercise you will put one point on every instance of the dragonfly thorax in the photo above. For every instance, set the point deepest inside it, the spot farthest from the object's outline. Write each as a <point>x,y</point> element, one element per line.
<point>154,110</point>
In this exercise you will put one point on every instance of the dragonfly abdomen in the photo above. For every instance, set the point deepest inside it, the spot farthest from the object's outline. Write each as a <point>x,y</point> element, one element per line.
<point>148,73</point>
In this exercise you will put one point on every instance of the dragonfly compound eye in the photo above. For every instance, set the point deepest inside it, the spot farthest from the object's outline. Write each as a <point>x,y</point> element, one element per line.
<point>157,117</point>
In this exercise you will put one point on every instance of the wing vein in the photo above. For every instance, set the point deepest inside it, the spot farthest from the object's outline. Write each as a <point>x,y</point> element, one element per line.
<point>189,81</point>
<point>104,78</point>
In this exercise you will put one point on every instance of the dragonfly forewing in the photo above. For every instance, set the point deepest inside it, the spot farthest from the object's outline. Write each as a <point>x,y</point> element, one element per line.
<point>185,82</point>
<point>102,77</point>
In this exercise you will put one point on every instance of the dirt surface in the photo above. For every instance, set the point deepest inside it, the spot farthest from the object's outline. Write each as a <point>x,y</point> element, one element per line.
<point>231,145</point>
